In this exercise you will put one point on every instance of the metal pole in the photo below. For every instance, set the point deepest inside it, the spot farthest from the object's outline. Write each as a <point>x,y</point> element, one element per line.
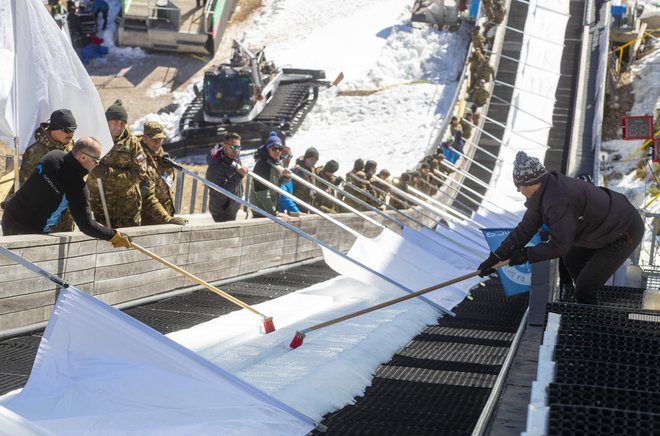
<point>351,196</point>
<point>458,191</point>
<point>331,198</point>
<point>444,207</point>
<point>524,63</point>
<point>544,8</point>
<point>389,206</point>
<point>472,161</point>
<point>499,82</point>
<point>425,206</point>
<point>464,173</point>
<point>103,203</point>
<point>307,205</point>
<point>515,133</point>
<point>520,109</point>
<point>490,135</point>
<point>472,191</point>
<point>301,233</point>
<point>425,215</point>
<point>559,44</point>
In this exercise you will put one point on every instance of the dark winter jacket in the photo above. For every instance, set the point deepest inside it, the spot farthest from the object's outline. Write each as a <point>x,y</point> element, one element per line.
<point>222,172</point>
<point>57,181</point>
<point>261,196</point>
<point>577,213</point>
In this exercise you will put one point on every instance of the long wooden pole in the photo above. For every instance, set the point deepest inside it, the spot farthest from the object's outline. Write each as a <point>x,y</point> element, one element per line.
<point>196,279</point>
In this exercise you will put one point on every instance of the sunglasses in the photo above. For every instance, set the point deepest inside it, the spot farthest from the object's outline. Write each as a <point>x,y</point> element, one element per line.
<point>94,158</point>
<point>235,147</point>
<point>69,129</point>
<point>277,149</point>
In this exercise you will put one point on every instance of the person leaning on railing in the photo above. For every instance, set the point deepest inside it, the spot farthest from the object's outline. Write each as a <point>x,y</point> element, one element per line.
<point>58,182</point>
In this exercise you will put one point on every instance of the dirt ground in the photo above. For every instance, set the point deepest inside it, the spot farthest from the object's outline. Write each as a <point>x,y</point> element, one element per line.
<point>130,79</point>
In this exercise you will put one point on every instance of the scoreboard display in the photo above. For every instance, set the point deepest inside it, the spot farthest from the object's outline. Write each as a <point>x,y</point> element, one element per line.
<point>638,127</point>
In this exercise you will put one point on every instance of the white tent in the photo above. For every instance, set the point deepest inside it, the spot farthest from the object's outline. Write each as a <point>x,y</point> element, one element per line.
<point>41,72</point>
<point>100,371</point>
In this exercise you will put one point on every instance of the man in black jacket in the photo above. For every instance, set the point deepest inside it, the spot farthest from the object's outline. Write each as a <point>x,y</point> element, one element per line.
<point>594,230</point>
<point>58,182</point>
<point>225,170</point>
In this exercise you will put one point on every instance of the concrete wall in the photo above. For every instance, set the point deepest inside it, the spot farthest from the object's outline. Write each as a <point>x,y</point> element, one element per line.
<point>212,252</point>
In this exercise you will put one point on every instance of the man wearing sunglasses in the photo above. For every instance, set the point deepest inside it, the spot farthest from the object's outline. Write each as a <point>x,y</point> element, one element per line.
<point>58,182</point>
<point>268,156</point>
<point>54,134</point>
<point>226,171</point>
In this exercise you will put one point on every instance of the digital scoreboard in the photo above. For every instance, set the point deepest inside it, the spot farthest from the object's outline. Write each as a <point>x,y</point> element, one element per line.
<point>638,127</point>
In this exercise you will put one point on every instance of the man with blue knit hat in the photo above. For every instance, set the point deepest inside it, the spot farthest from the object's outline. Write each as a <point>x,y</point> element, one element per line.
<point>593,229</point>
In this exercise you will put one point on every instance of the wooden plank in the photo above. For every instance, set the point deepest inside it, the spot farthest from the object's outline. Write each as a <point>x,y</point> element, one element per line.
<point>38,283</point>
<point>136,281</point>
<point>25,302</point>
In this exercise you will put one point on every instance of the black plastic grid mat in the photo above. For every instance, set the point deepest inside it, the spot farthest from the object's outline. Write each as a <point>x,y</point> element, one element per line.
<point>600,396</point>
<point>440,381</point>
<point>583,420</point>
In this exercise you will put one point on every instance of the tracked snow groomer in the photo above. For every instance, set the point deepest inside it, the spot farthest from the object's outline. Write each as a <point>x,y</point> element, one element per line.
<point>250,96</point>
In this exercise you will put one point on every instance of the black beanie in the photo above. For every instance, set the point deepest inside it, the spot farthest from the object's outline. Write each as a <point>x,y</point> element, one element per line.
<point>369,165</point>
<point>311,152</point>
<point>116,111</point>
<point>62,119</point>
<point>527,170</point>
<point>331,166</point>
<point>358,165</point>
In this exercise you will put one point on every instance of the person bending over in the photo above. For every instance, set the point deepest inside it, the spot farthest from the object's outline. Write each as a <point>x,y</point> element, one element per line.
<point>594,230</point>
<point>58,182</point>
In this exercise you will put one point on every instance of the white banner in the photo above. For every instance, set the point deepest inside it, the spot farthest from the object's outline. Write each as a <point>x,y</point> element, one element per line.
<point>41,72</point>
<point>99,371</point>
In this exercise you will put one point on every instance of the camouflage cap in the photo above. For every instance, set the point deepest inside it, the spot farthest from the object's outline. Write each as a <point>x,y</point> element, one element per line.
<point>154,130</point>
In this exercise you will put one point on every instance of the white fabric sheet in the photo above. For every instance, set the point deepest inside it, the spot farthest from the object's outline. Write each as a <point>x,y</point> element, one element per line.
<point>405,264</point>
<point>37,59</point>
<point>99,371</point>
<point>538,71</point>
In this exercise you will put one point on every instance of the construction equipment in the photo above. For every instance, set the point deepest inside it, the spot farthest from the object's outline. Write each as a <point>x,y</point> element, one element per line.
<point>439,13</point>
<point>249,95</point>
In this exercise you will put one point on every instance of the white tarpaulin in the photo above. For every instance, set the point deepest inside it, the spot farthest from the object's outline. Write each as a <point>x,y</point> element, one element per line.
<point>533,100</point>
<point>41,73</point>
<point>99,371</point>
<point>406,264</point>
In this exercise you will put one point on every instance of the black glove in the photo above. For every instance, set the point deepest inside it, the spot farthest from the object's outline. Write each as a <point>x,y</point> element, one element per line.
<point>338,181</point>
<point>518,257</point>
<point>485,269</point>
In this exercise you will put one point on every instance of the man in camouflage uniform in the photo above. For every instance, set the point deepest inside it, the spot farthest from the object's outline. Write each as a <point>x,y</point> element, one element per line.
<point>121,171</point>
<point>480,94</point>
<point>477,39</point>
<point>428,186</point>
<point>480,69</point>
<point>160,178</point>
<point>307,162</point>
<point>466,125</point>
<point>54,134</point>
<point>327,173</point>
<point>495,12</point>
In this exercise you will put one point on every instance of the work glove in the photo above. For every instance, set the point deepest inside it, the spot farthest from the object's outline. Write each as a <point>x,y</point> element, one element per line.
<point>518,257</point>
<point>178,221</point>
<point>486,267</point>
<point>120,240</point>
<point>100,171</point>
<point>338,181</point>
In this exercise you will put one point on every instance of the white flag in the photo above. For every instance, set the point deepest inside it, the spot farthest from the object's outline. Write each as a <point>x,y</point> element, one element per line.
<point>41,72</point>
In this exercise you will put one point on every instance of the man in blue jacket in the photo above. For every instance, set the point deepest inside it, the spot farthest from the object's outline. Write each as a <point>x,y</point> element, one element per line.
<point>594,230</point>
<point>100,7</point>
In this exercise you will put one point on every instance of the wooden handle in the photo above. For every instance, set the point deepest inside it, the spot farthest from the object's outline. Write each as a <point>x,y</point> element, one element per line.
<point>400,299</point>
<point>194,278</point>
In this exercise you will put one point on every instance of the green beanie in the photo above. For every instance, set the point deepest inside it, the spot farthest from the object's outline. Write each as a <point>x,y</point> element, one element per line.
<point>116,111</point>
